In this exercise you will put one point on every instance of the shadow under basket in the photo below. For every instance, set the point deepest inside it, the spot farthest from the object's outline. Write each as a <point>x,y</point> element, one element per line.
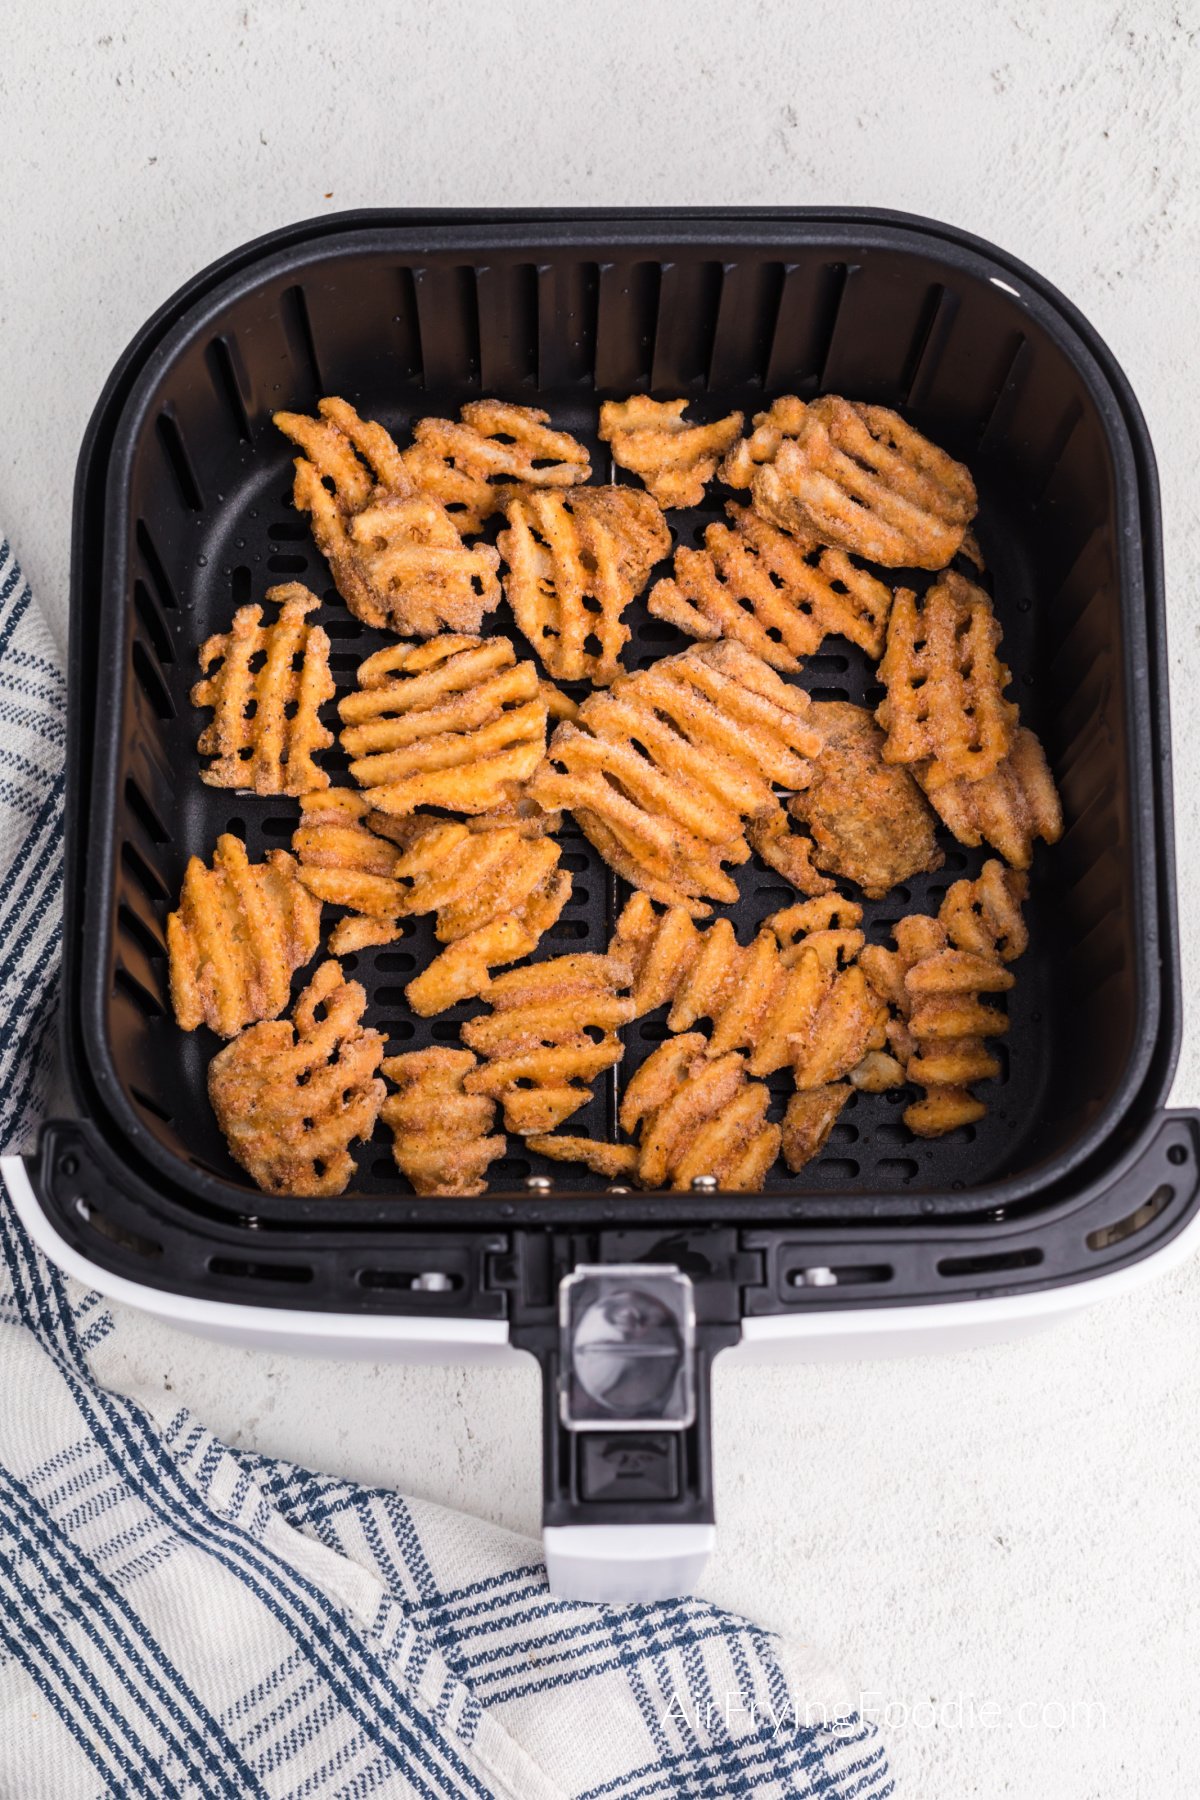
<point>183,511</point>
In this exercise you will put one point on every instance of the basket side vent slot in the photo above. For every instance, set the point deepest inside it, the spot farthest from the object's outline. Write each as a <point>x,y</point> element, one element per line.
<point>228,379</point>
<point>179,462</point>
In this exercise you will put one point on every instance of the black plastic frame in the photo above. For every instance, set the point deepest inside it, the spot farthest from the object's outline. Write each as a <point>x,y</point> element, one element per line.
<point>135,1178</point>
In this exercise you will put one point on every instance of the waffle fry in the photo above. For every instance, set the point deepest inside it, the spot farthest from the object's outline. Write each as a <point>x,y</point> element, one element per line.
<point>240,932</point>
<point>456,722</point>
<point>265,685</point>
<point>292,1097</point>
<point>945,705</point>
<point>868,820</point>
<point>829,925</point>
<point>344,863</point>
<point>397,557</point>
<point>439,1132</point>
<point>845,1025</point>
<point>541,1056</point>
<point>675,459</point>
<point>662,771</point>
<point>856,476</point>
<point>1007,809</point>
<point>474,466</point>
<point>778,595</point>
<point>935,980</point>
<point>575,562</point>
<point>808,1121</point>
<point>610,1160</point>
<point>699,1115</point>
<point>788,852</point>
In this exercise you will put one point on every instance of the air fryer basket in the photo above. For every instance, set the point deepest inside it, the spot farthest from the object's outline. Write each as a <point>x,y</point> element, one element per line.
<point>406,316</point>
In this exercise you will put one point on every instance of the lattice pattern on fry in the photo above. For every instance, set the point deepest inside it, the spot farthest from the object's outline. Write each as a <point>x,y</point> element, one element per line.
<point>475,465</point>
<point>576,560</point>
<point>808,1121</point>
<point>868,820</point>
<point>344,863</point>
<point>829,924</point>
<point>440,1133</point>
<point>397,557</point>
<point>552,1029</point>
<point>859,477</point>
<point>788,852</point>
<point>240,932</point>
<point>935,980</point>
<point>945,705</point>
<point>291,1097</point>
<point>265,685</point>
<point>674,458</point>
<point>699,1115</point>
<point>759,997</point>
<point>662,771</point>
<point>1007,809</point>
<point>778,595</point>
<point>456,722</point>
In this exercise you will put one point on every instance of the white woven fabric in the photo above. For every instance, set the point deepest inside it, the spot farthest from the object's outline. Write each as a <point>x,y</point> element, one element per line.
<point>178,1619</point>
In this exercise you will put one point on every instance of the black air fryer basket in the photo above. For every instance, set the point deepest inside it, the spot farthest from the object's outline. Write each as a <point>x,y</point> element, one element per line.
<point>183,511</point>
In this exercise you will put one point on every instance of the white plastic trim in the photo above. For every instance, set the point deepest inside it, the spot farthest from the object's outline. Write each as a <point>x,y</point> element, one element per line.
<point>625,1565</point>
<point>268,1327</point>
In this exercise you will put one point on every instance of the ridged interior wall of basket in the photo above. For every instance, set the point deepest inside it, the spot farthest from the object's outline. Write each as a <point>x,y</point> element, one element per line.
<point>209,525</point>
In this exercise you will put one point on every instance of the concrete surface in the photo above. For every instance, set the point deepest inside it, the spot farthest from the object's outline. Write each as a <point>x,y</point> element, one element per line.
<point>1010,1526</point>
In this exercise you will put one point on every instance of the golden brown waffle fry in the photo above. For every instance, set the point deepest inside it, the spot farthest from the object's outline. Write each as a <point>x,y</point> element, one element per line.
<point>344,863</point>
<point>808,1121</point>
<point>984,915</point>
<point>575,562</point>
<point>265,685</point>
<point>846,1022</point>
<point>675,459</point>
<point>240,932</point>
<point>867,818</point>
<point>788,852</point>
<point>291,1098</point>
<point>439,1131</point>
<point>611,1160</point>
<point>758,997</point>
<point>857,476</point>
<point>475,465</point>
<point>396,555</point>
<point>662,771</point>
<point>538,1038</point>
<point>699,1115</point>
<point>456,722</point>
<point>1007,809</point>
<point>828,924</point>
<point>778,595</point>
<point>945,705</point>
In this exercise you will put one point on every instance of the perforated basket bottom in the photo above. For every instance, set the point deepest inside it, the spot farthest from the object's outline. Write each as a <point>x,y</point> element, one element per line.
<point>255,539</point>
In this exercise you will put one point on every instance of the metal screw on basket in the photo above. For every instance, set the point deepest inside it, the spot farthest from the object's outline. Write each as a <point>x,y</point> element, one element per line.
<point>704,1184</point>
<point>433,1282</point>
<point>818,1277</point>
<point>251,1222</point>
<point>538,1184</point>
<point>618,1190</point>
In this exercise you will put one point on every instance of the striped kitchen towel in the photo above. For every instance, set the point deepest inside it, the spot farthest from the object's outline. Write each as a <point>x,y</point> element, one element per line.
<point>178,1618</point>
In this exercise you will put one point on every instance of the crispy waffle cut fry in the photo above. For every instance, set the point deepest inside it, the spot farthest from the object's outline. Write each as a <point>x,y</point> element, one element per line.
<point>265,685</point>
<point>847,1023</point>
<point>440,1133</point>
<point>757,996</point>
<point>240,932</point>
<point>808,1121</point>
<point>868,819</point>
<point>602,1158</point>
<point>456,722</point>
<point>292,1097</point>
<point>662,770</point>
<point>675,459</point>
<point>699,1115</point>
<point>778,595</point>
<point>788,852</point>
<point>474,465</point>
<point>936,981</point>
<point>576,560</point>
<point>344,863</point>
<point>828,924</point>
<point>1007,809</point>
<point>540,1052</point>
<point>859,477</point>
<point>397,557</point>
<point>945,707</point>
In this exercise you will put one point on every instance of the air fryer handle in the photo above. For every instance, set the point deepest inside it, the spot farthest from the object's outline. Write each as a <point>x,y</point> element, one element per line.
<point>626,1353</point>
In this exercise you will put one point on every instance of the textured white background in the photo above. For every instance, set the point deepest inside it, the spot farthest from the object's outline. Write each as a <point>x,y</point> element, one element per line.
<point>1011,1525</point>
